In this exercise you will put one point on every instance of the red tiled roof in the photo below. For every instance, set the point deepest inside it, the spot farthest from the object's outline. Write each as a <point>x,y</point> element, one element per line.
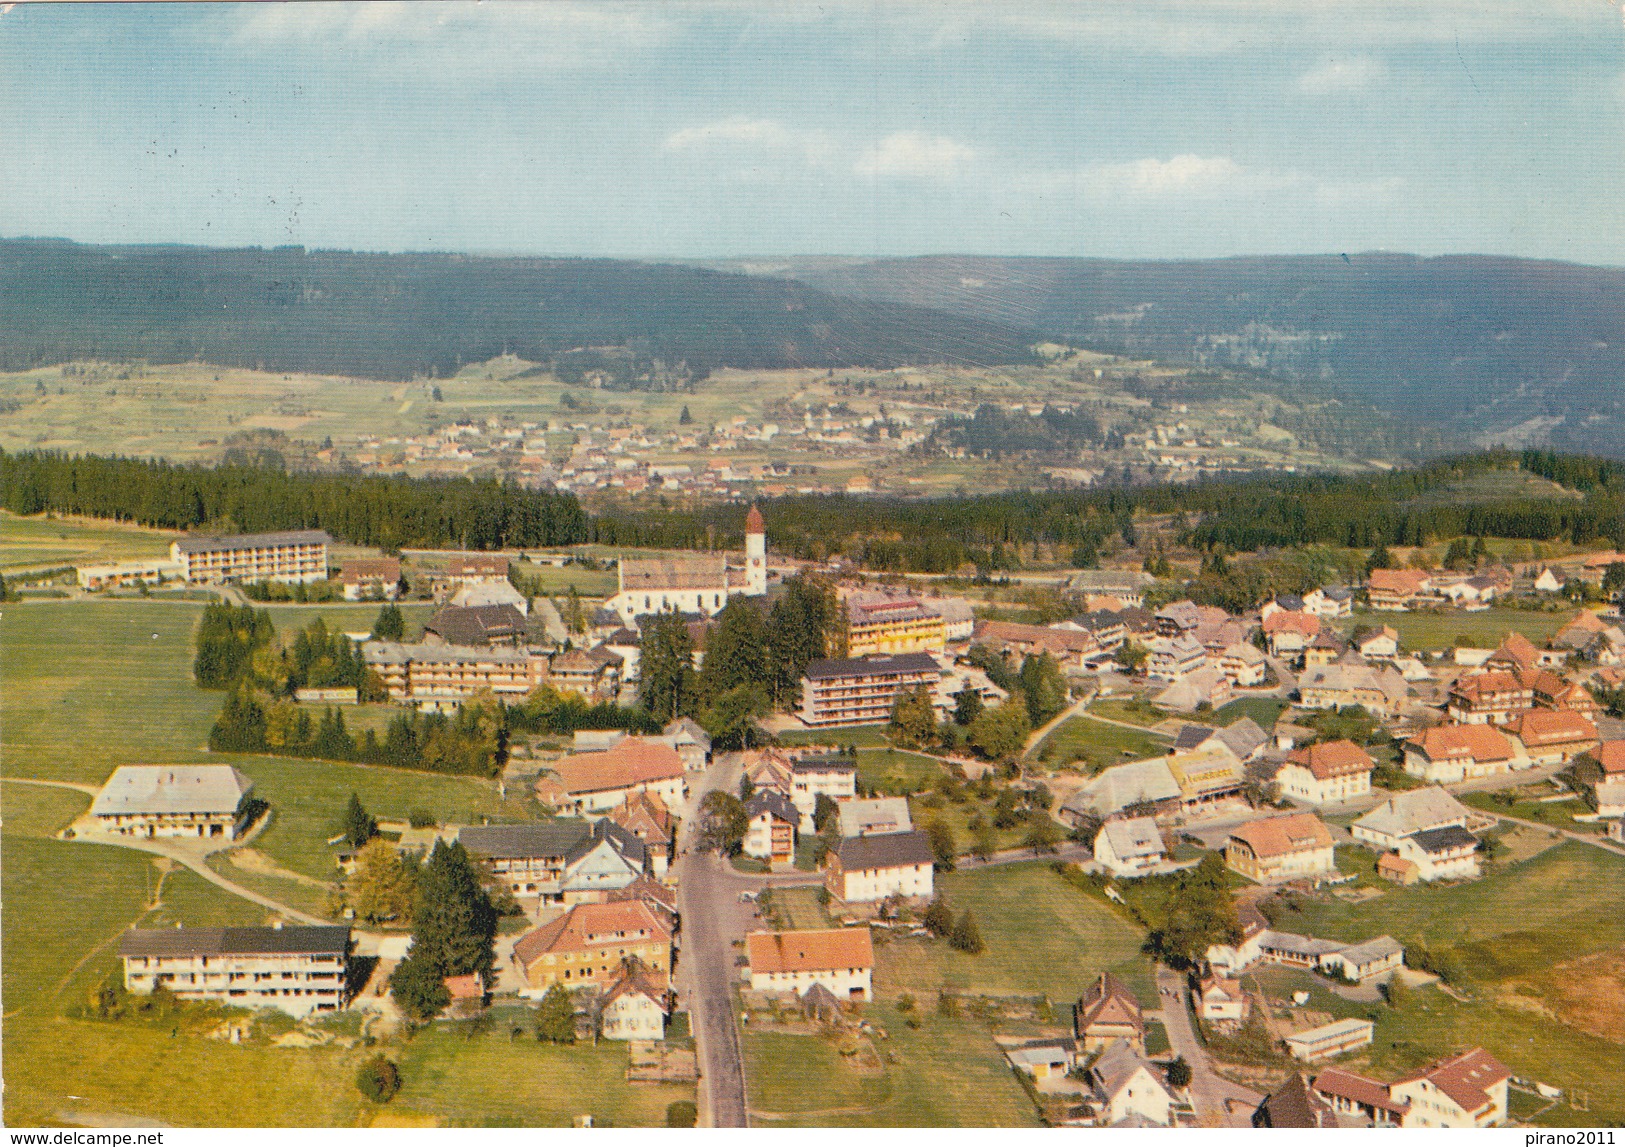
<point>1465,1078</point>
<point>588,926</point>
<point>632,762</point>
<point>1552,727</point>
<point>1460,742</point>
<point>1283,835</point>
<point>1397,581</point>
<point>1286,620</point>
<point>1337,1083</point>
<point>1332,759</point>
<point>1611,756</point>
<point>810,951</point>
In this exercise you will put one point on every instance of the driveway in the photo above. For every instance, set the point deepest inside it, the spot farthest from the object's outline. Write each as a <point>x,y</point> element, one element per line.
<point>1209,1091</point>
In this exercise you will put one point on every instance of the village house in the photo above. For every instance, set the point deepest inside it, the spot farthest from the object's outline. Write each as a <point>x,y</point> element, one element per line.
<point>880,623</point>
<point>1107,1012</point>
<point>1449,754</point>
<point>1295,1104</point>
<point>1449,853</point>
<point>812,775</point>
<point>1379,690</point>
<point>371,579</point>
<point>874,816</point>
<point>1289,633</point>
<point>1129,847</point>
<point>864,869</point>
<point>526,859</point>
<point>1553,736</point>
<point>1170,658</point>
<point>1600,775</point>
<point>646,816</point>
<point>841,960</point>
<point>1279,848</point>
<point>298,556</point>
<point>595,783</point>
<point>1128,1091</point>
<point>1070,647</point>
<point>1328,1040</point>
<point>1210,778</point>
<point>1221,1000</point>
<point>1327,773</point>
<point>1231,959</point>
<point>590,943</point>
<point>861,690</point>
<point>636,1005</point>
<point>476,569</point>
<point>772,819</point>
<point>1245,665</point>
<point>610,858</point>
<point>1181,617</point>
<point>1377,644</point>
<point>1492,697</point>
<point>1407,813</point>
<point>1329,601</point>
<point>1357,1100</point>
<point>148,801</point>
<point>297,969</point>
<point>1117,787</point>
<point>1398,589</point>
<point>1466,1090</point>
<point>592,674</point>
<point>490,593</point>
<point>693,743</point>
<point>1206,688</point>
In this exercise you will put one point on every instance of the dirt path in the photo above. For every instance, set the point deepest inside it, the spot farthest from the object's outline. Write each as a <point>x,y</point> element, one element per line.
<point>74,785</point>
<point>255,861</point>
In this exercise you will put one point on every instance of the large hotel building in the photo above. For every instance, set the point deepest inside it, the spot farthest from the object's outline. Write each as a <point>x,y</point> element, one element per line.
<point>436,676</point>
<point>296,969</point>
<point>860,690</point>
<point>291,555</point>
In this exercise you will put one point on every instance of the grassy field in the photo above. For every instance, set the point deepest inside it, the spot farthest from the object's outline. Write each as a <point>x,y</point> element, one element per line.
<point>947,1073</point>
<point>491,1080</point>
<point>1263,710</point>
<point>860,736</point>
<point>1121,709</point>
<point>800,908</point>
<point>38,541</point>
<point>1557,814</point>
<point>933,806</point>
<point>1486,628</point>
<point>558,580</point>
<point>1094,744</point>
<point>1042,937</point>
<point>897,772</point>
<point>1564,903</point>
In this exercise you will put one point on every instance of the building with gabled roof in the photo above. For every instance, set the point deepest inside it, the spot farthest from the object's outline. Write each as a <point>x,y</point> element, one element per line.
<point>590,944</point>
<point>772,820</point>
<point>1398,589</point>
<point>1210,777</point>
<point>1292,847</point>
<point>1416,810</point>
<point>635,1005</point>
<point>528,859</point>
<point>863,869</point>
<point>1147,783</point>
<point>1295,1104</point>
<point>595,783</point>
<point>1129,1091</point>
<point>1106,1012</point>
<point>1379,689</point>
<point>150,801</point>
<point>1446,754</point>
<point>1129,846</point>
<point>1553,736</point>
<point>1490,697</point>
<point>1448,853</point>
<point>1329,772</point>
<point>841,959</point>
<point>1358,1100</point>
<point>476,625</point>
<point>873,816</point>
<point>1465,1090</point>
<point>371,579</point>
<point>1332,1039</point>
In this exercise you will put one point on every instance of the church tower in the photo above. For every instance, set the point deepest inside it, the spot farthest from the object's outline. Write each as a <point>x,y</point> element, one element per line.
<point>755,553</point>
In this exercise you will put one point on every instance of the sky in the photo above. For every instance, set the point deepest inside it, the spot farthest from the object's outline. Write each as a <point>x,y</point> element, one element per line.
<point>1125,128</point>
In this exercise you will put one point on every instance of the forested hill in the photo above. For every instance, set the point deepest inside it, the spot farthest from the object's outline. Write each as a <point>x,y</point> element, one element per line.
<point>1512,351</point>
<point>398,316</point>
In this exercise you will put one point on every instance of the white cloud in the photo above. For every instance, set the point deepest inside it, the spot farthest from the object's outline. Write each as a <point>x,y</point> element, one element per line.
<point>1335,76</point>
<point>1196,178</point>
<point>734,129</point>
<point>455,33</point>
<point>914,155</point>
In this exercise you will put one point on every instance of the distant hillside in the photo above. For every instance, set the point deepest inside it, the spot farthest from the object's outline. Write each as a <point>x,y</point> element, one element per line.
<point>1509,351</point>
<point>400,316</point>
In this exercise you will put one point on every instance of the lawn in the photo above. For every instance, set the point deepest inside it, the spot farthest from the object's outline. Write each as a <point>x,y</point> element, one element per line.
<point>39,541</point>
<point>948,1073</point>
<point>1263,710</point>
<point>1042,937</point>
<point>934,806</point>
<point>1557,814</point>
<point>1564,903</point>
<point>558,580</point>
<point>800,908</point>
<point>1134,712</point>
<point>1485,628</point>
<point>897,772</point>
<point>1095,744</point>
<point>491,1080</point>
<point>860,736</point>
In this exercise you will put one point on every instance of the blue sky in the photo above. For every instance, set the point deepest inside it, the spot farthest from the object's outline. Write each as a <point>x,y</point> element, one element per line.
<point>1125,128</point>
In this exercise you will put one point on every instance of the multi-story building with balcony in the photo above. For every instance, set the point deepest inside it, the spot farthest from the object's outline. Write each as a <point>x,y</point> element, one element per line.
<point>289,556</point>
<point>860,690</point>
<point>444,676</point>
<point>296,969</point>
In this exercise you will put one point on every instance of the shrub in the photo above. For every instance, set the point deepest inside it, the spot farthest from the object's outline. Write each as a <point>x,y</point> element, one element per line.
<point>682,1113</point>
<point>378,1079</point>
<point>966,937</point>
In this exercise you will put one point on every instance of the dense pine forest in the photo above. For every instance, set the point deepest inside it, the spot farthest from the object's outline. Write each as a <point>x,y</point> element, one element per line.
<point>927,536</point>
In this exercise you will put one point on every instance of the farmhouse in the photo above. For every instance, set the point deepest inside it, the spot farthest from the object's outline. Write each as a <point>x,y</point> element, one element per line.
<point>528,859</point>
<point>1116,788</point>
<point>174,800</point>
<point>477,569</point>
<point>869,868</point>
<point>1327,773</point>
<point>1397,589</point>
<point>595,783</point>
<point>590,943</point>
<point>479,625</point>
<point>1131,847</point>
<point>294,969</point>
<point>286,556</point>
<point>1380,690</point>
<point>1553,736</point>
<point>842,960</point>
<point>1492,697</point>
<point>371,579</point>
<point>1278,848</point>
<point>1405,813</point>
<point>1447,754</point>
<point>610,858</point>
<point>1600,775</point>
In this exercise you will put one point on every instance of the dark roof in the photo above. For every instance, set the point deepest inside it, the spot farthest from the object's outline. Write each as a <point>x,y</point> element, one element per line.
<point>628,844</point>
<point>476,624</point>
<point>196,544</point>
<point>292,939</point>
<point>1444,839</point>
<point>887,850</point>
<point>1191,736</point>
<point>1294,1104</point>
<point>774,802</point>
<point>824,762</point>
<point>623,636</point>
<point>870,666</point>
<point>515,841</point>
<point>1289,601</point>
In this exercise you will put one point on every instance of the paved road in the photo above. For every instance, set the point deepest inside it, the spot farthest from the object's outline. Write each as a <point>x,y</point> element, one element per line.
<point>708,898</point>
<point>1208,1090</point>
